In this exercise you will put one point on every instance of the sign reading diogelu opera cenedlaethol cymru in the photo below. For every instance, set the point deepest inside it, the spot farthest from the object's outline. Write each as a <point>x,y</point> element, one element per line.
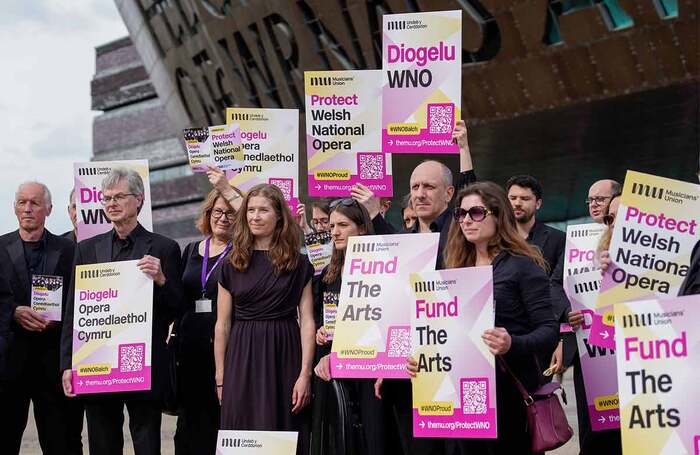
<point>658,350</point>
<point>218,146</point>
<point>422,81</point>
<point>343,133</point>
<point>655,231</point>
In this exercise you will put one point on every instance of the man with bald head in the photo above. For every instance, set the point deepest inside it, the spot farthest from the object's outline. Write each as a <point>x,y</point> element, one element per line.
<point>31,371</point>
<point>599,196</point>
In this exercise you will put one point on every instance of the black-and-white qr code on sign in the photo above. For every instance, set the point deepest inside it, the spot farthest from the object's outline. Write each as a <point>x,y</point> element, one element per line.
<point>285,186</point>
<point>370,166</point>
<point>399,342</point>
<point>131,357</point>
<point>474,395</point>
<point>441,118</point>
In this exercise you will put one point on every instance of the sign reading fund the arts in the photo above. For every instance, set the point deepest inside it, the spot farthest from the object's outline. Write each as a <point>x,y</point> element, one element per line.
<point>343,133</point>
<point>236,442</point>
<point>113,311</point>
<point>655,231</point>
<point>597,363</point>
<point>92,218</point>
<point>422,81</point>
<point>581,246</point>
<point>658,351</point>
<point>270,141</point>
<point>218,146</point>
<point>372,336</point>
<point>454,392</point>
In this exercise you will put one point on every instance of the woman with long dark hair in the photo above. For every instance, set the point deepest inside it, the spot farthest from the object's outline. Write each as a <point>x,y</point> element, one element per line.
<point>264,343</point>
<point>483,233</point>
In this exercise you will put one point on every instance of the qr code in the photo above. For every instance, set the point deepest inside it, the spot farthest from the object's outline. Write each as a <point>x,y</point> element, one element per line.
<point>131,357</point>
<point>440,118</point>
<point>474,392</point>
<point>285,185</point>
<point>399,342</point>
<point>371,166</point>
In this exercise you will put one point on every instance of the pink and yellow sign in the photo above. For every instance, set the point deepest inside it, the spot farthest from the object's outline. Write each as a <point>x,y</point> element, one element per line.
<point>270,142</point>
<point>454,392</point>
<point>658,351</point>
<point>343,133</point>
<point>581,245</point>
<point>422,81</point>
<point>92,219</point>
<point>112,328</point>
<point>372,336</point>
<point>218,146</point>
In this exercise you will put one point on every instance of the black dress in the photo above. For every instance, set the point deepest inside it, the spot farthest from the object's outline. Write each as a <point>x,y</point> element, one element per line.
<point>263,357</point>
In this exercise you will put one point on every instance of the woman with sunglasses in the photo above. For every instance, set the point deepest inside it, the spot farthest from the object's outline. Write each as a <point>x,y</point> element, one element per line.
<point>482,233</point>
<point>264,343</point>
<point>193,333</point>
<point>348,218</point>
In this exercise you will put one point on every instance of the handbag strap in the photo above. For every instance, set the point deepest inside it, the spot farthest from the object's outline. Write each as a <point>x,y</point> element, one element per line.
<point>523,392</point>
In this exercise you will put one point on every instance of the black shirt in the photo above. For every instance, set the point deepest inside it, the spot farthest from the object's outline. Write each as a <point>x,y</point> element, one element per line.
<point>35,256</point>
<point>123,249</point>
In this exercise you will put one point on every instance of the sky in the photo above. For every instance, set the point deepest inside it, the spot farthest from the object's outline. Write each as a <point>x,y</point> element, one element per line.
<point>47,50</point>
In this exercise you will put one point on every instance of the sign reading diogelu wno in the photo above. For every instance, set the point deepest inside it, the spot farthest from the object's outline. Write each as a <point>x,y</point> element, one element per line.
<point>454,392</point>
<point>112,328</point>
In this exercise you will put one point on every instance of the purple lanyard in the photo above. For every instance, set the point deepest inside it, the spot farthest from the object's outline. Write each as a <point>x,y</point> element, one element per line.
<point>205,261</point>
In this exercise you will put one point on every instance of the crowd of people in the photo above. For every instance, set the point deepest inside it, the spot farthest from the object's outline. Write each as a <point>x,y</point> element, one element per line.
<point>241,312</point>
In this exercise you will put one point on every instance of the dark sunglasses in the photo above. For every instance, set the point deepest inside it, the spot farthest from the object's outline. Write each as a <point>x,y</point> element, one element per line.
<point>347,202</point>
<point>609,219</point>
<point>476,213</point>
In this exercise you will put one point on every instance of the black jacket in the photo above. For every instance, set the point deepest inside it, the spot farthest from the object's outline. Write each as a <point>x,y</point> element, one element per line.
<point>167,300</point>
<point>552,244</point>
<point>25,346</point>
<point>6,306</point>
<point>691,284</point>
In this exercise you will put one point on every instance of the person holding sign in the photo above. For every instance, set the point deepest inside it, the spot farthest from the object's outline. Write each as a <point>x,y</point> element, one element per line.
<point>263,355</point>
<point>484,233</point>
<point>199,414</point>
<point>158,258</point>
<point>348,218</point>
<point>31,373</point>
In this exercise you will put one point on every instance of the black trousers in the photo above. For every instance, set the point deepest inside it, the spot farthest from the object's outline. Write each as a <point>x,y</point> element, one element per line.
<point>105,420</point>
<point>59,420</point>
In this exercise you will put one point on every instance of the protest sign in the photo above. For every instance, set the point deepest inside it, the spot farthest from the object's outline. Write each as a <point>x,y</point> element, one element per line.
<point>454,392</point>
<point>270,141</point>
<point>237,442</point>
<point>422,81</point>
<point>581,245</point>
<point>112,328</point>
<point>372,336</point>
<point>218,146</point>
<point>92,219</point>
<point>597,363</point>
<point>47,296</point>
<point>343,133</point>
<point>319,248</point>
<point>658,351</point>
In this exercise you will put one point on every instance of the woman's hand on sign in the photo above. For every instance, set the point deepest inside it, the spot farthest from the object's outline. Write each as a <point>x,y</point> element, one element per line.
<point>67,382</point>
<point>497,340</point>
<point>605,261</point>
<point>323,368</point>
<point>575,319</point>
<point>301,394</point>
<point>411,366</point>
<point>218,179</point>
<point>321,336</point>
<point>301,219</point>
<point>366,197</point>
<point>556,366</point>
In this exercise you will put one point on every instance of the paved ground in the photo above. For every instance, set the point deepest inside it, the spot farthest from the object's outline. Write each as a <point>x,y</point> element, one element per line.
<point>30,445</point>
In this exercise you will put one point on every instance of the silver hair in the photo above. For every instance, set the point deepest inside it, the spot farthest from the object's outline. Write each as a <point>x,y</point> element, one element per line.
<point>133,180</point>
<point>47,193</point>
<point>447,178</point>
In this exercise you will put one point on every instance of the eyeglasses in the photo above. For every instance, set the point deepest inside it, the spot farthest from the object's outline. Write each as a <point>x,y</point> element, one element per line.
<point>218,213</point>
<point>320,221</point>
<point>476,213</point>
<point>597,200</point>
<point>118,198</point>
<point>609,219</point>
<point>347,202</point>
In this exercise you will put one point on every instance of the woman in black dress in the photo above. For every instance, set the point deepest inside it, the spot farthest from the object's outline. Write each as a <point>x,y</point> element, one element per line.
<point>484,233</point>
<point>198,416</point>
<point>264,342</point>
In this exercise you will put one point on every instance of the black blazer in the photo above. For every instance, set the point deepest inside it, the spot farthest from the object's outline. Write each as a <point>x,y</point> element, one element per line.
<point>26,346</point>
<point>552,244</point>
<point>6,299</point>
<point>167,300</point>
<point>691,284</point>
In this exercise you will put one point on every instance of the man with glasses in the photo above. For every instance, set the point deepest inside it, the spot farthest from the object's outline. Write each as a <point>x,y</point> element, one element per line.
<point>31,371</point>
<point>599,196</point>
<point>159,258</point>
